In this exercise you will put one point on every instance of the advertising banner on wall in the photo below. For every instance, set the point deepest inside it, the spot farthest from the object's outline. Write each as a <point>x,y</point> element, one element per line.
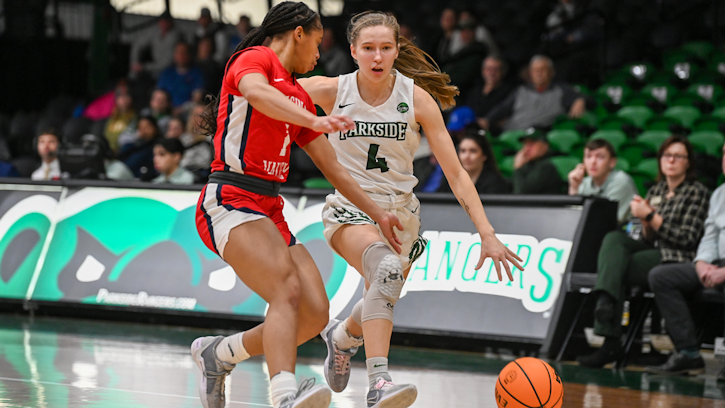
<point>140,248</point>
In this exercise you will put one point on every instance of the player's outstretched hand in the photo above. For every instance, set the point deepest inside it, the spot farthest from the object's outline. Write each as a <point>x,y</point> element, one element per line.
<point>492,247</point>
<point>386,223</point>
<point>333,123</point>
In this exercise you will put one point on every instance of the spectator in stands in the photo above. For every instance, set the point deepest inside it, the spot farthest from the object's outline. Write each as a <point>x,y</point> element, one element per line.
<point>481,34</point>
<point>159,108</point>
<point>139,155</point>
<point>674,284</point>
<point>602,179</point>
<point>573,32</point>
<point>122,118</point>
<point>448,21</point>
<point>672,218</point>
<point>333,58</point>
<point>539,103</point>
<point>212,70</point>
<point>464,65</point>
<point>167,157</point>
<point>198,151</point>
<point>206,27</point>
<point>47,144</point>
<point>491,90</point>
<point>476,156</point>
<point>182,78</point>
<point>158,43</point>
<point>243,27</point>
<point>533,171</point>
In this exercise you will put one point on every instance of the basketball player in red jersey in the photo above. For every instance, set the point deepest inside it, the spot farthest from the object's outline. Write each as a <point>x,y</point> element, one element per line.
<point>261,110</point>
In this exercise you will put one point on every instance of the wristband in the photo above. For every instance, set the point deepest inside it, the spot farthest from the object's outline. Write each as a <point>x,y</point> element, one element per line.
<point>649,216</point>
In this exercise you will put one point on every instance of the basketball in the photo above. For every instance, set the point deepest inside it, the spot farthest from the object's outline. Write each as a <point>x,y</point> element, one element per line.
<point>529,383</point>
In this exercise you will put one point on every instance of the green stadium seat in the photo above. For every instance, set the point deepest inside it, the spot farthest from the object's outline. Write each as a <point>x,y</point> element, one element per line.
<point>662,123</point>
<point>634,152</point>
<point>615,137</point>
<point>563,140</point>
<point>317,182</point>
<point>719,113</point>
<point>638,115</point>
<point>511,138</point>
<point>685,99</point>
<point>650,167</point>
<point>506,166</point>
<point>707,91</point>
<point>700,49</point>
<point>709,142</point>
<point>622,164</point>
<point>641,181</point>
<point>709,123</point>
<point>659,91</point>
<point>564,122</point>
<point>578,149</point>
<point>682,70</point>
<point>686,115</point>
<point>564,165</point>
<point>639,99</point>
<point>653,138</point>
<point>639,71</point>
<point>614,122</point>
<point>499,149</point>
<point>615,93</point>
<point>672,57</point>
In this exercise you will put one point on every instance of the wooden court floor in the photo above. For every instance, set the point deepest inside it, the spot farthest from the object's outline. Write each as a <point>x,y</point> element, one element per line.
<point>60,363</point>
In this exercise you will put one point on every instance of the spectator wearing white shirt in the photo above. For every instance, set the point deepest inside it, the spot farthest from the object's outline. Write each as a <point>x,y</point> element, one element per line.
<point>47,146</point>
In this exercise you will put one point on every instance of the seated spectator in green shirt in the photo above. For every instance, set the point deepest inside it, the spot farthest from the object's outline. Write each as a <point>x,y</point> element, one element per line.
<point>167,159</point>
<point>602,179</point>
<point>533,171</point>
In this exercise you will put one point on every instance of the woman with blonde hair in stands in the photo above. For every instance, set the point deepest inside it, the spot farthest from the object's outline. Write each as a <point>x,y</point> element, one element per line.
<point>391,99</point>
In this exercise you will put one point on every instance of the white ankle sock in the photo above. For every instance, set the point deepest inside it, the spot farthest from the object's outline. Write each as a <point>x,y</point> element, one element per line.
<point>377,367</point>
<point>231,349</point>
<point>281,385</point>
<point>344,339</point>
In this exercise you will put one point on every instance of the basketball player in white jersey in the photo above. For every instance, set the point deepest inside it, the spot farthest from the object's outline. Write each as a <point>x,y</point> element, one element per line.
<point>389,98</point>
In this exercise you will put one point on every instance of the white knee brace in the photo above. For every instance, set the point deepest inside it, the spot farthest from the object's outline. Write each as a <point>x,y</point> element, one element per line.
<point>384,272</point>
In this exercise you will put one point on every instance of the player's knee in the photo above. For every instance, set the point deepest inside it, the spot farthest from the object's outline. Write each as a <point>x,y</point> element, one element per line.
<point>386,282</point>
<point>289,289</point>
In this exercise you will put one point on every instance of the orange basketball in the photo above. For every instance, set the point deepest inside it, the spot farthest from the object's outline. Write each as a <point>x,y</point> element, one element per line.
<point>529,383</point>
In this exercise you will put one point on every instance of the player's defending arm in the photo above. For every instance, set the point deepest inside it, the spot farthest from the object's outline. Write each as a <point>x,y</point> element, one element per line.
<point>428,115</point>
<point>322,90</point>
<point>274,104</point>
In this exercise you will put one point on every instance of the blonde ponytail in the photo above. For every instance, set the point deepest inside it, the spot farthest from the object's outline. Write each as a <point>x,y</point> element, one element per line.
<point>412,61</point>
<point>418,65</point>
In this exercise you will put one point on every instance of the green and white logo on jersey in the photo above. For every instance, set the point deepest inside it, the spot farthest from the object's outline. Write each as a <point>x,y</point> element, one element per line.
<point>402,107</point>
<point>387,130</point>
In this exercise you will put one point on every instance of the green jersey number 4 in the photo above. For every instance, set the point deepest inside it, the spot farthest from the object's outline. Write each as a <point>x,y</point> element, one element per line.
<point>374,162</point>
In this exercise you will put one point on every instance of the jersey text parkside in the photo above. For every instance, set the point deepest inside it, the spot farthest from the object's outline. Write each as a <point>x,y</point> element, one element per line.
<point>387,130</point>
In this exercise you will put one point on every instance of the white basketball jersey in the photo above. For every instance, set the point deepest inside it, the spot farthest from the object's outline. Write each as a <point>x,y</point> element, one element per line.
<point>378,153</point>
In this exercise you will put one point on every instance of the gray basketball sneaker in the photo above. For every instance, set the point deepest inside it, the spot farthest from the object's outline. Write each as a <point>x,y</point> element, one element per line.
<point>384,394</point>
<point>337,363</point>
<point>213,371</point>
<point>308,395</point>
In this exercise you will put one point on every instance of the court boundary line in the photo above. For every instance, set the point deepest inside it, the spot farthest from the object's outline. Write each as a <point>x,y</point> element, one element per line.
<point>131,391</point>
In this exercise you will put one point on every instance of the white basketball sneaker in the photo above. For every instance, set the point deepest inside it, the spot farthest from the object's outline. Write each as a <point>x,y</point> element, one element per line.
<point>385,394</point>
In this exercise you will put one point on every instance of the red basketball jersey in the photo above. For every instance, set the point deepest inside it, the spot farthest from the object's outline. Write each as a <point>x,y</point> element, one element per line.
<point>247,141</point>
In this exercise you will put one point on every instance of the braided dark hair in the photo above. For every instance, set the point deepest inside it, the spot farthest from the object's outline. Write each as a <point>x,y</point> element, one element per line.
<point>280,19</point>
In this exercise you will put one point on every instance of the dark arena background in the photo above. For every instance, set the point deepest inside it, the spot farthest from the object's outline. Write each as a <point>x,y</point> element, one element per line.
<point>104,281</point>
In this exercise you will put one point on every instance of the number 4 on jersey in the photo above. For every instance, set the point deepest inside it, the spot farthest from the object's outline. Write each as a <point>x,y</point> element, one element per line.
<point>374,162</point>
